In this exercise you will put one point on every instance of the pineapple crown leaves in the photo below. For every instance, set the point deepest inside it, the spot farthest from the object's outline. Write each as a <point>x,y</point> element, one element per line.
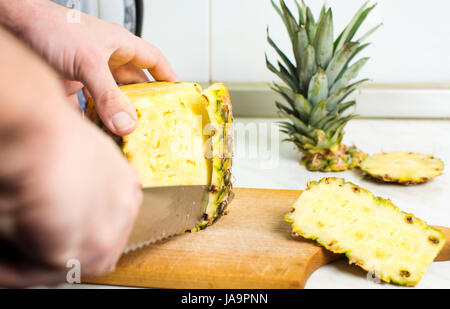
<point>319,79</point>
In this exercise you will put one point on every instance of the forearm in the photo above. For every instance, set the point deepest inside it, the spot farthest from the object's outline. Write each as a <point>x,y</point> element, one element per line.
<point>15,15</point>
<point>24,16</point>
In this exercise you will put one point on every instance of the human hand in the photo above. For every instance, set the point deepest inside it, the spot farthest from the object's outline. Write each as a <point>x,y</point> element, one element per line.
<point>66,191</point>
<point>92,53</point>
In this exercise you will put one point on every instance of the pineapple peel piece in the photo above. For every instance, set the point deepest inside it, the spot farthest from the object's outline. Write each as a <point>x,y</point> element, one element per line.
<point>372,232</point>
<point>406,168</point>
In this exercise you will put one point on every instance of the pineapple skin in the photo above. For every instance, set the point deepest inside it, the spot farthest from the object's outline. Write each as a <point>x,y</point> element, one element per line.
<point>406,168</point>
<point>218,106</point>
<point>402,259</point>
<point>327,161</point>
<point>212,106</point>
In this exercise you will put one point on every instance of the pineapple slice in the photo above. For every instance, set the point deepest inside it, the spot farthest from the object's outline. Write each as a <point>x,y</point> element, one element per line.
<point>402,167</point>
<point>372,232</point>
<point>184,137</point>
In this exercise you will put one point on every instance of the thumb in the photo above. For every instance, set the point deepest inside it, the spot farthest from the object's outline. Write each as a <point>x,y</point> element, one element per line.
<point>114,108</point>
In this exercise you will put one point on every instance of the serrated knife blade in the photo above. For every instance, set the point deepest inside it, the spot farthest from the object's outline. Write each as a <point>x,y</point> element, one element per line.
<point>166,212</point>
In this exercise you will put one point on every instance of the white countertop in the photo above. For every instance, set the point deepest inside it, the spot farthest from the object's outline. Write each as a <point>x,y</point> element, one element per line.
<point>259,165</point>
<point>429,201</point>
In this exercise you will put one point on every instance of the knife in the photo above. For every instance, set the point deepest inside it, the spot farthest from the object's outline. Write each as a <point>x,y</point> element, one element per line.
<point>166,212</point>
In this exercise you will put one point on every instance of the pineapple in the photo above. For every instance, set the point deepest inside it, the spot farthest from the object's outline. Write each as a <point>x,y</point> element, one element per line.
<point>317,86</point>
<point>406,168</point>
<point>373,233</point>
<point>184,137</point>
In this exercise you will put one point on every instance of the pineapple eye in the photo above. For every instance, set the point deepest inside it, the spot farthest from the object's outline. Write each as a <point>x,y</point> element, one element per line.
<point>405,274</point>
<point>433,240</point>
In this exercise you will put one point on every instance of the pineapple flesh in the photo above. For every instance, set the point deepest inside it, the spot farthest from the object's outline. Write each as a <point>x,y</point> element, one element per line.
<point>317,86</point>
<point>406,168</point>
<point>184,137</point>
<point>373,233</point>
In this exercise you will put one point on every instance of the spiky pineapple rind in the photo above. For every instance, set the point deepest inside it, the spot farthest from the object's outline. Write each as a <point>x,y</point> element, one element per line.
<point>420,175</point>
<point>218,106</point>
<point>328,161</point>
<point>436,238</point>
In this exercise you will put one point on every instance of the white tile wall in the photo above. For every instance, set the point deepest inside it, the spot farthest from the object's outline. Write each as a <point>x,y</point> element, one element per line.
<point>413,45</point>
<point>111,10</point>
<point>180,29</point>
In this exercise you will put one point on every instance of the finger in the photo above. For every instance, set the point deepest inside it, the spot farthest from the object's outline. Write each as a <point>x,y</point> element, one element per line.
<point>124,216</point>
<point>128,74</point>
<point>114,108</point>
<point>134,209</point>
<point>71,86</point>
<point>149,57</point>
<point>86,94</point>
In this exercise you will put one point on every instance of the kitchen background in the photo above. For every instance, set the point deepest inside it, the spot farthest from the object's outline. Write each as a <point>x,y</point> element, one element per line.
<point>409,95</point>
<point>225,40</point>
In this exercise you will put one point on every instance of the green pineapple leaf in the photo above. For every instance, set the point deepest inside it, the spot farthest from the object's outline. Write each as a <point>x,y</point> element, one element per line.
<point>343,37</point>
<point>334,100</point>
<point>300,42</point>
<point>358,23</point>
<point>284,108</point>
<point>318,87</point>
<point>311,26</point>
<point>341,108</point>
<point>282,75</point>
<point>340,60</point>
<point>327,119</point>
<point>368,33</point>
<point>287,17</point>
<point>302,106</point>
<point>301,8</point>
<point>348,75</point>
<point>323,42</point>
<point>308,68</point>
<point>318,112</point>
<point>287,62</point>
<point>334,127</point>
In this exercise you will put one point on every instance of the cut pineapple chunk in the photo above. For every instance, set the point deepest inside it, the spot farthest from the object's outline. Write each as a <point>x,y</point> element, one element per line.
<point>372,232</point>
<point>402,167</point>
<point>184,137</point>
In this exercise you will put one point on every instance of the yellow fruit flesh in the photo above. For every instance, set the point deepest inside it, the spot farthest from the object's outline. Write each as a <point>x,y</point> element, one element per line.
<point>168,146</point>
<point>184,137</point>
<point>403,167</point>
<point>371,231</point>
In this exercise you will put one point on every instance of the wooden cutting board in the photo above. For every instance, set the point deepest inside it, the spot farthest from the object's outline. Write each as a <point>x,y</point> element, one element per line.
<point>251,247</point>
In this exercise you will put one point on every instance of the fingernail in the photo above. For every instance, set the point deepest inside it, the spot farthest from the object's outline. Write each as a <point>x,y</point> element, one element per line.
<point>122,122</point>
